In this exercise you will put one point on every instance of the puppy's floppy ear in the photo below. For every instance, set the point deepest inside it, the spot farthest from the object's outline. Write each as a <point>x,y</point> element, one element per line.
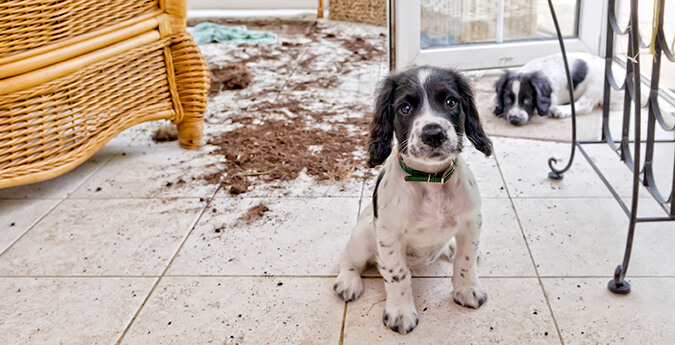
<point>382,126</point>
<point>472,127</point>
<point>542,93</point>
<point>500,90</point>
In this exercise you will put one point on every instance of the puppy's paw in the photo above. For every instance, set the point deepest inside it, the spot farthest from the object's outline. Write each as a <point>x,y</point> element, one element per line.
<point>560,112</point>
<point>348,285</point>
<point>470,296</point>
<point>400,317</point>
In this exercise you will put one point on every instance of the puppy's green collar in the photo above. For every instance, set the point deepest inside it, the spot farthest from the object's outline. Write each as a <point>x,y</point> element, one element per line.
<point>421,176</point>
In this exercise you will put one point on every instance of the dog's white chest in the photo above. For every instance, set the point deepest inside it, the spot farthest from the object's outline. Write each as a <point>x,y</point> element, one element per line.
<point>434,220</point>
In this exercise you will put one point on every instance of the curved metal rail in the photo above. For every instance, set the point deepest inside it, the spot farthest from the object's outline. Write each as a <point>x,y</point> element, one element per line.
<point>631,86</point>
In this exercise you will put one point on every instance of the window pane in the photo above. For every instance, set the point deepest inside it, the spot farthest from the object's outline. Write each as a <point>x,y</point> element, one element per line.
<point>453,22</point>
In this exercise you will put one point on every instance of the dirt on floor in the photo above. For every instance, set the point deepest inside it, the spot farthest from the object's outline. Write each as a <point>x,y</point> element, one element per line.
<point>273,137</point>
<point>255,212</point>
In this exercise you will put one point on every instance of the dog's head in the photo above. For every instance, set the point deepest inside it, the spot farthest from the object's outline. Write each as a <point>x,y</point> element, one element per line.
<point>518,95</point>
<point>429,109</point>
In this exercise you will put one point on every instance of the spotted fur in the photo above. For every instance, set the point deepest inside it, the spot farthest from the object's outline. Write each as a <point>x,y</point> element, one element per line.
<point>428,111</point>
<point>540,86</point>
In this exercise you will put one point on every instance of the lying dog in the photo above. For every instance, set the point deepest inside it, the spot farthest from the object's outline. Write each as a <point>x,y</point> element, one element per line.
<point>541,85</point>
<point>425,195</point>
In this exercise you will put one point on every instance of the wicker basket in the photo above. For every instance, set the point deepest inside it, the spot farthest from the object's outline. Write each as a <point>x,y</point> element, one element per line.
<point>372,12</point>
<point>476,20</point>
<point>60,105</point>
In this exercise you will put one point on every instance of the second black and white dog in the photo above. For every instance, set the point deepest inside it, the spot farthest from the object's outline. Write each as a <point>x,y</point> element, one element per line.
<point>541,86</point>
<point>425,197</point>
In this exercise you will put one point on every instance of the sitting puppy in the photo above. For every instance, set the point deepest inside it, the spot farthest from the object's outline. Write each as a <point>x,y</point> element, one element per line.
<point>541,85</point>
<point>425,196</point>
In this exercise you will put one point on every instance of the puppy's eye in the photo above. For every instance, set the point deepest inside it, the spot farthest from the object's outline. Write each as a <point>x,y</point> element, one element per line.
<point>508,99</point>
<point>450,103</point>
<point>527,101</point>
<point>404,109</point>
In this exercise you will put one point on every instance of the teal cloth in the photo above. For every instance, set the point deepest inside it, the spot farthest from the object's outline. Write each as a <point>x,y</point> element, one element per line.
<point>210,32</point>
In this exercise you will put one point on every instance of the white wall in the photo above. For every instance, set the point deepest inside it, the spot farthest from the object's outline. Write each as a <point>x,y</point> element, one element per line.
<point>255,4</point>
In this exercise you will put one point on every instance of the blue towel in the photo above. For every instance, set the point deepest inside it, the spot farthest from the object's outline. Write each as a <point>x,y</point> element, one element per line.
<point>210,32</point>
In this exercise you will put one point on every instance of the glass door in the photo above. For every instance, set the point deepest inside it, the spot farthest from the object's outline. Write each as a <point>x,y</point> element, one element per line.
<point>473,34</point>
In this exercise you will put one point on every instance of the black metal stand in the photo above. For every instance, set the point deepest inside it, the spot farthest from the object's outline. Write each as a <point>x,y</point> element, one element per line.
<point>632,93</point>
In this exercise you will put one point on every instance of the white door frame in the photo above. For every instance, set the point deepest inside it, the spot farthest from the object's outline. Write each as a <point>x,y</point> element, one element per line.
<point>404,29</point>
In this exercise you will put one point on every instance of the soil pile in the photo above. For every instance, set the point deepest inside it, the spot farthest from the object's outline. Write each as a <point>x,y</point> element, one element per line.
<point>289,114</point>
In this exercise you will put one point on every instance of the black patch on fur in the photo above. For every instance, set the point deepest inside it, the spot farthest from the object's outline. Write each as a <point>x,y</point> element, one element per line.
<point>579,71</point>
<point>398,278</point>
<point>377,185</point>
<point>535,93</point>
<point>537,86</point>
<point>503,95</point>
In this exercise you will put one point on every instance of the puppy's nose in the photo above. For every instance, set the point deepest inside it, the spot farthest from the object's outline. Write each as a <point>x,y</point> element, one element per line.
<point>433,135</point>
<point>515,121</point>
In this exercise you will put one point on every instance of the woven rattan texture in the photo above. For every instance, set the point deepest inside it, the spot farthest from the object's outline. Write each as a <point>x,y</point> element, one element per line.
<point>56,123</point>
<point>192,76</point>
<point>372,12</point>
<point>29,24</point>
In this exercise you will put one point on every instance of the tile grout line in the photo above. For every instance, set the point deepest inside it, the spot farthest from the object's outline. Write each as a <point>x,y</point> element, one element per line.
<point>60,201</point>
<point>529,251</point>
<point>344,314</point>
<point>307,276</point>
<point>342,330</point>
<point>219,198</point>
<point>159,279</point>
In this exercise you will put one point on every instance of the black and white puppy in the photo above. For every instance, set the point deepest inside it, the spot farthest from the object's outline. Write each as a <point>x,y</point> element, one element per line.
<point>541,86</point>
<point>412,223</point>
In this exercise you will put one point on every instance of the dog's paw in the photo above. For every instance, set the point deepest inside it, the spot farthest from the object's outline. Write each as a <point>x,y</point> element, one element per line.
<point>401,318</point>
<point>348,285</point>
<point>560,112</point>
<point>470,296</point>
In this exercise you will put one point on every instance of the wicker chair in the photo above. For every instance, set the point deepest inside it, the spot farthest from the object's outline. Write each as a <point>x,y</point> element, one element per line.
<point>75,73</point>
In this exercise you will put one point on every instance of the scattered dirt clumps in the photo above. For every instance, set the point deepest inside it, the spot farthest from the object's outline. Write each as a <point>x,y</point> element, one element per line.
<point>279,150</point>
<point>255,212</point>
<point>229,77</point>
<point>168,132</point>
<point>300,107</point>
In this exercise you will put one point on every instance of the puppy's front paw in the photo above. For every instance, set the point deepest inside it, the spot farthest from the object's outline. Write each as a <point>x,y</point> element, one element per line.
<point>401,318</point>
<point>348,285</point>
<point>470,296</point>
<point>560,112</point>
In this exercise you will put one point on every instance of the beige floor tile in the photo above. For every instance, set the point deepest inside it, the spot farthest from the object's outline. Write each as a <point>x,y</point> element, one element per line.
<point>295,237</point>
<point>621,178</point>
<point>106,237</point>
<point>59,187</point>
<point>524,164</point>
<point>208,310</point>
<point>304,186</point>
<point>152,171</point>
<point>503,250</point>
<point>586,237</point>
<point>17,216</point>
<point>68,310</point>
<point>588,313</point>
<point>515,313</point>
